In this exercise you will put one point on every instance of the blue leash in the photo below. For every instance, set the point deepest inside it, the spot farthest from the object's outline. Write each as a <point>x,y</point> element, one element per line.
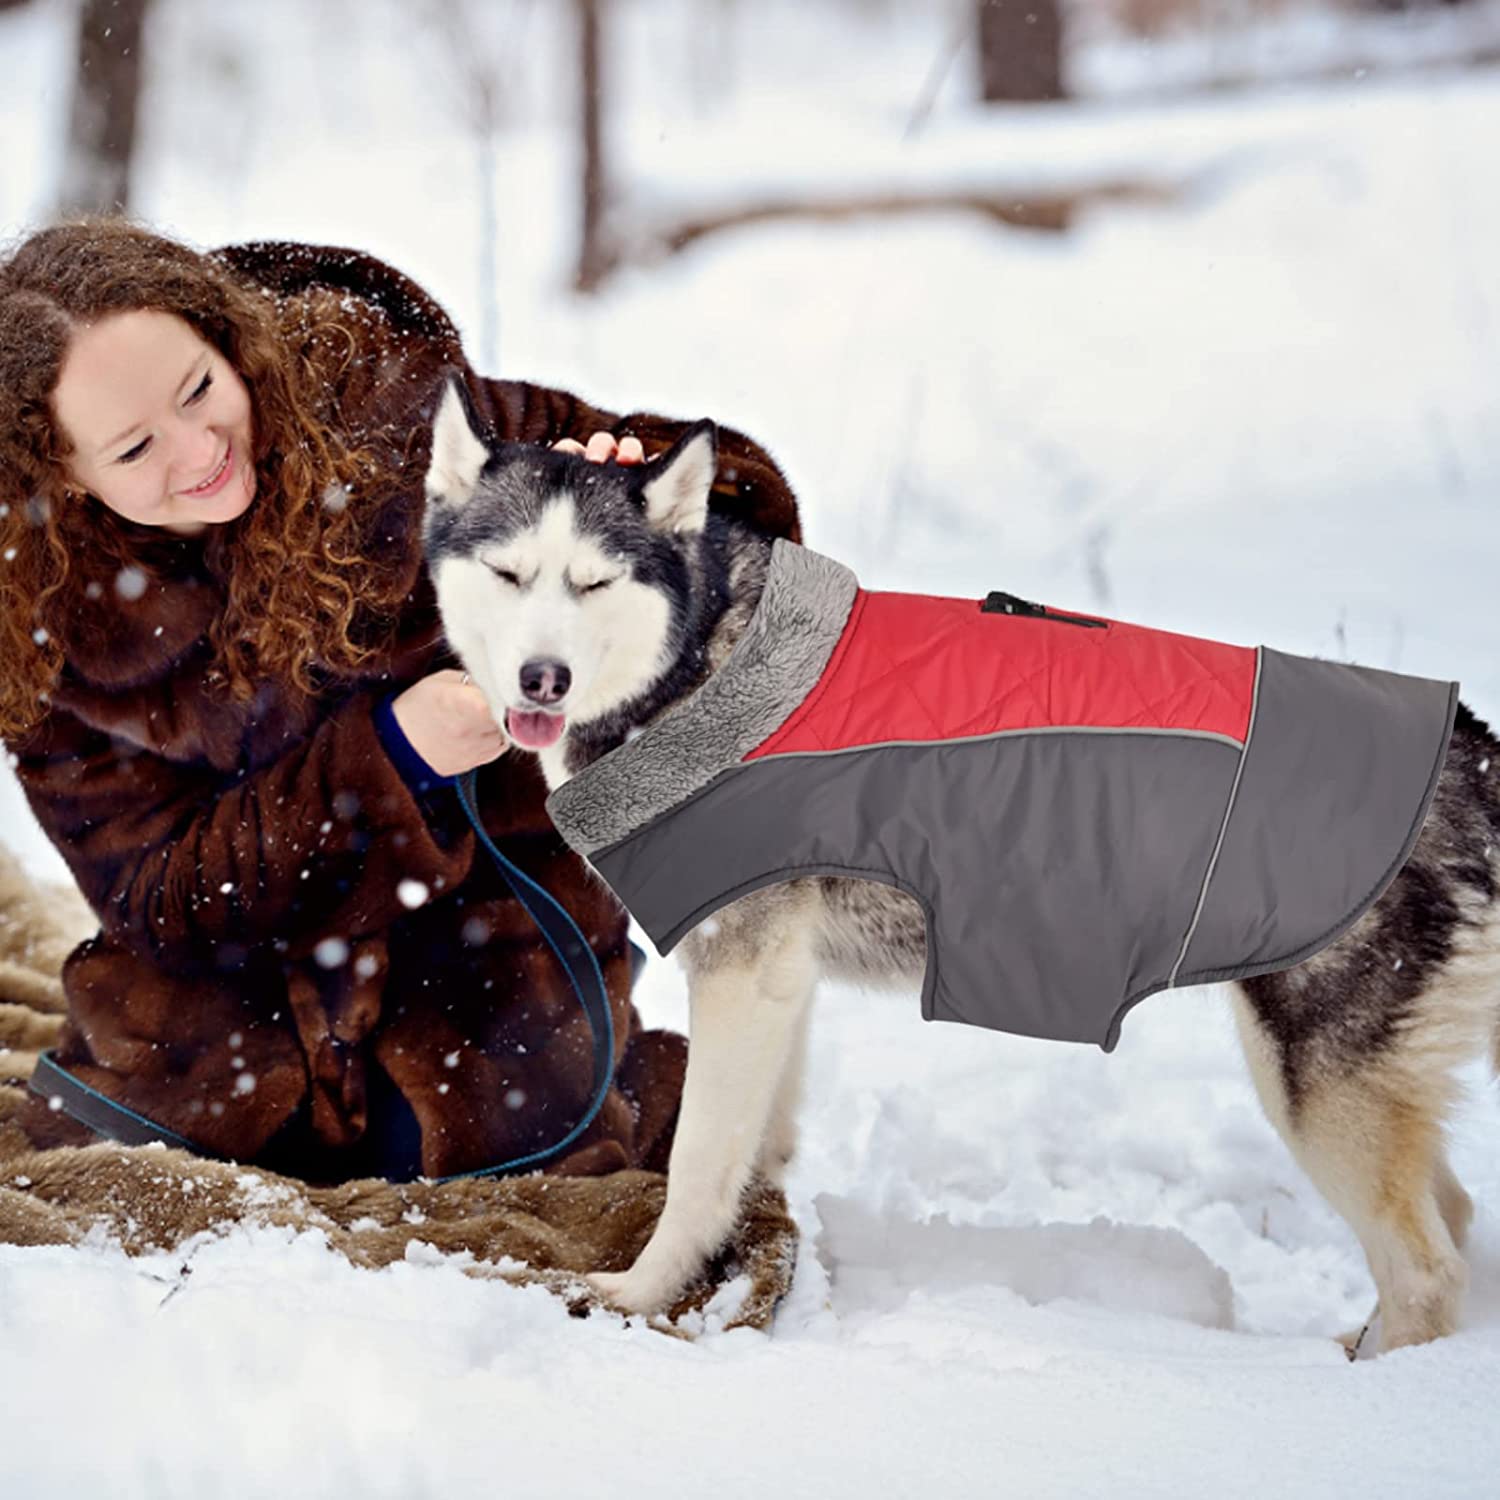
<point>104,1116</point>
<point>580,965</point>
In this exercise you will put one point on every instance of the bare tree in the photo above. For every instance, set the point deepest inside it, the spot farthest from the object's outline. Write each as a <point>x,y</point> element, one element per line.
<point>481,66</point>
<point>595,257</point>
<point>102,120</point>
<point>1020,51</point>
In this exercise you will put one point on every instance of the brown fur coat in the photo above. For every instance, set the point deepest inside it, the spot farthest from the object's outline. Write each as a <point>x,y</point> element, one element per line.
<point>259,986</point>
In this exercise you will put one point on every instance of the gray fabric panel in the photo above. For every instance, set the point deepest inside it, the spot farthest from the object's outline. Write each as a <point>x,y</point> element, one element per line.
<point>773,667</point>
<point>1059,872</point>
<point>1341,768</point>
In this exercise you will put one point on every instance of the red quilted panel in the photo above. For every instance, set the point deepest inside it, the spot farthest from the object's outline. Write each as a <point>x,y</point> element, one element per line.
<point>915,667</point>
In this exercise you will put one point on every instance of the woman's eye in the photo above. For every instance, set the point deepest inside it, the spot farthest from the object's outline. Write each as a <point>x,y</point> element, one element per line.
<point>593,588</point>
<point>201,389</point>
<point>506,577</point>
<point>130,455</point>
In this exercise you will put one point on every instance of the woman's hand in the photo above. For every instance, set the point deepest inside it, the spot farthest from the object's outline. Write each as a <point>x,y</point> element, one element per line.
<point>447,721</point>
<point>602,447</point>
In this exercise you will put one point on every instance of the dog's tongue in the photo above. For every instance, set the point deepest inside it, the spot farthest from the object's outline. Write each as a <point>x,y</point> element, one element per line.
<point>534,731</point>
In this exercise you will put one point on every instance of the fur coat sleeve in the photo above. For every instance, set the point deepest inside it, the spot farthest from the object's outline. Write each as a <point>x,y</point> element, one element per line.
<point>185,859</point>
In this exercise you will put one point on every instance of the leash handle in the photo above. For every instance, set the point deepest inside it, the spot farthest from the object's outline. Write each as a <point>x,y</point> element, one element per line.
<point>580,965</point>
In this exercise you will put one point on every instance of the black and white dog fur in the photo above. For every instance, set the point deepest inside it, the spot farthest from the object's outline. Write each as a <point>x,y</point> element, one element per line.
<point>585,599</point>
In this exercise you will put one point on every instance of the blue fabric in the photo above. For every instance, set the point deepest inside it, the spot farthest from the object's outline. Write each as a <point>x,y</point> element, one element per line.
<point>415,771</point>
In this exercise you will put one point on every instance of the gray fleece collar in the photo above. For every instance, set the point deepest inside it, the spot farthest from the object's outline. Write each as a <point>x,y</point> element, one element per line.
<point>772,668</point>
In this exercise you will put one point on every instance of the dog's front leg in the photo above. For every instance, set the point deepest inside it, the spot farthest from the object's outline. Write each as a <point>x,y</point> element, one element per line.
<point>746,1009</point>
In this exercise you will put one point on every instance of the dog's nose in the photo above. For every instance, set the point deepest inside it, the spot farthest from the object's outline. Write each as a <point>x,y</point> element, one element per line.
<point>546,681</point>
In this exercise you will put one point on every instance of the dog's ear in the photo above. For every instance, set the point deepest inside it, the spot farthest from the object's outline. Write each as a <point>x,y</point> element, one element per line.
<point>458,455</point>
<point>674,488</point>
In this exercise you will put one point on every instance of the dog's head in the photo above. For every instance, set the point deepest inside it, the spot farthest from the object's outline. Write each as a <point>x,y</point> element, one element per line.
<point>559,581</point>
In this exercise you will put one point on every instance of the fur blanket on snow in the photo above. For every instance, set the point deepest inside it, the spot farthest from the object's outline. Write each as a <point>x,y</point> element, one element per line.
<point>58,1183</point>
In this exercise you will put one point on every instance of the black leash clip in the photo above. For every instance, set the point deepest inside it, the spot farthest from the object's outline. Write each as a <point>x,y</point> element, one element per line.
<point>996,603</point>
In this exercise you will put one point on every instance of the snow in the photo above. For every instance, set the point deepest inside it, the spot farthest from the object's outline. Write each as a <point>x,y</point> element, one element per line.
<point>333,952</point>
<point>1268,411</point>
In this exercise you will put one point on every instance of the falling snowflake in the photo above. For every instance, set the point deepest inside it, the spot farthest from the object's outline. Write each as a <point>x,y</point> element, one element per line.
<point>412,894</point>
<point>130,584</point>
<point>332,952</point>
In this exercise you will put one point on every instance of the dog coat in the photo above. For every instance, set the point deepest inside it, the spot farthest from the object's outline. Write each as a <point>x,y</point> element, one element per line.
<point>1087,811</point>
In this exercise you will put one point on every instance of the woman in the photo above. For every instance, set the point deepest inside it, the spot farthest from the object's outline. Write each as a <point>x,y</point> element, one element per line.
<point>227,700</point>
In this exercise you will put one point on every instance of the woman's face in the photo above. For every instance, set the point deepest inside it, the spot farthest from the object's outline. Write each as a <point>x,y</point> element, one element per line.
<point>159,421</point>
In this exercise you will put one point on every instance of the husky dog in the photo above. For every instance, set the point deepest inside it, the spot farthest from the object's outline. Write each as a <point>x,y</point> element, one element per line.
<point>585,600</point>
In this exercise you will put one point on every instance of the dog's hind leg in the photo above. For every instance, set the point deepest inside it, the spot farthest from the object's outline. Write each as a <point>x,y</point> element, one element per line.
<point>1369,1135</point>
<point>751,978</point>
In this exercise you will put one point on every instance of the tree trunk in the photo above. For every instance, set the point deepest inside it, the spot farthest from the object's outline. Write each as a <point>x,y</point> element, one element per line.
<point>594,257</point>
<point>101,123</point>
<point>1020,51</point>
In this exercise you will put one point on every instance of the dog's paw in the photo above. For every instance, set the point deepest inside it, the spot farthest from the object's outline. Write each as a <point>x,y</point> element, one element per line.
<point>627,1293</point>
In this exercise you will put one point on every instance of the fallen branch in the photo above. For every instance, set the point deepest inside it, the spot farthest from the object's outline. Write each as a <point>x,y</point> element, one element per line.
<point>1051,211</point>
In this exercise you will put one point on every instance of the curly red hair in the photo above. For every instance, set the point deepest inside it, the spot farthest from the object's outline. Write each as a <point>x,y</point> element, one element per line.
<point>302,590</point>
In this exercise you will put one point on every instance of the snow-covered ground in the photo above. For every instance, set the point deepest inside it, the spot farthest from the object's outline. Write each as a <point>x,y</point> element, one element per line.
<point>1268,413</point>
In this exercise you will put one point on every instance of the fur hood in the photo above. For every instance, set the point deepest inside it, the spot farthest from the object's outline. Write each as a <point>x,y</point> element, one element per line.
<point>288,269</point>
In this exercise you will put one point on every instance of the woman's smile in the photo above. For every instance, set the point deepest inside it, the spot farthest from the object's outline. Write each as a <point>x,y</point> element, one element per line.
<point>215,481</point>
